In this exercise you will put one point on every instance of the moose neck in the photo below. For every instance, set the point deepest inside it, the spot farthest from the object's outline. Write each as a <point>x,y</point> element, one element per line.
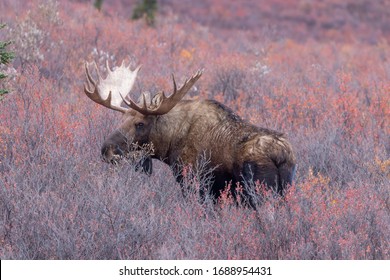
<point>170,130</point>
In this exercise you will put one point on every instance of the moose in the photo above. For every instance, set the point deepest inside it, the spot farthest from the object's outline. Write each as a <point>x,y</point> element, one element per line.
<point>180,131</point>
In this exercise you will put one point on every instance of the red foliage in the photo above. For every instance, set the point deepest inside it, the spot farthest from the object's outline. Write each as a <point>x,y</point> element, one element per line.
<point>320,76</point>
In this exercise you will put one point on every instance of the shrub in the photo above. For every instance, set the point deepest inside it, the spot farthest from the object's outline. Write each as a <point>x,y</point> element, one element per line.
<point>146,9</point>
<point>98,4</point>
<point>5,58</point>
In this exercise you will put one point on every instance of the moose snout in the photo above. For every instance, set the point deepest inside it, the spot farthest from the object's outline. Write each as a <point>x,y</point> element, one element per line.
<point>112,149</point>
<point>111,153</point>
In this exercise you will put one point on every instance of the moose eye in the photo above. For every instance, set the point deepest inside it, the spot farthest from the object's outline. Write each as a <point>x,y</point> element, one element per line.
<point>139,125</point>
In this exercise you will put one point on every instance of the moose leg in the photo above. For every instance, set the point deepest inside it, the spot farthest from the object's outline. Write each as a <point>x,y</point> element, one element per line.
<point>272,176</point>
<point>251,173</point>
<point>177,170</point>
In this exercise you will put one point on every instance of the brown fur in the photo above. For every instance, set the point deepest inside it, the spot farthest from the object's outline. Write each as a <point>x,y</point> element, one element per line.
<point>238,151</point>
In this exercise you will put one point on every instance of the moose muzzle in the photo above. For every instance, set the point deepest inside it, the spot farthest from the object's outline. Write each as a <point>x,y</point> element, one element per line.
<point>114,148</point>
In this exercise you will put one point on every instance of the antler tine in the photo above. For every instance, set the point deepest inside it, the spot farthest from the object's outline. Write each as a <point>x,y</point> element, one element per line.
<point>90,86</point>
<point>174,83</point>
<point>97,71</point>
<point>90,80</point>
<point>108,66</point>
<point>167,103</point>
<point>145,106</point>
<point>91,89</point>
<point>178,94</point>
<point>143,110</point>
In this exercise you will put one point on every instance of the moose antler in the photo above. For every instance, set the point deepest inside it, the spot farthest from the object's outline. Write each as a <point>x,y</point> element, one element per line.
<point>166,103</point>
<point>107,92</point>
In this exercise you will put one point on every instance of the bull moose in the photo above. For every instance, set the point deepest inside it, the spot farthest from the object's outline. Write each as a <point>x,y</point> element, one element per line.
<point>182,130</point>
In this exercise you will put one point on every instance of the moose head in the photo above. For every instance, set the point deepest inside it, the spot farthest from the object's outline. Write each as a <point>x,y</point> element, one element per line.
<point>139,118</point>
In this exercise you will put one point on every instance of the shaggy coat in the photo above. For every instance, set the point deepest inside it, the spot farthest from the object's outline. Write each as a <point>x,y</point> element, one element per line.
<point>238,151</point>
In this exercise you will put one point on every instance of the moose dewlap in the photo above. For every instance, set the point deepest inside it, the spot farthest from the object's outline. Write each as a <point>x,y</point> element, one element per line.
<point>181,131</point>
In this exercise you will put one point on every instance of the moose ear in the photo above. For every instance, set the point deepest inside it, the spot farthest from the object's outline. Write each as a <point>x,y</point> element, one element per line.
<point>147,166</point>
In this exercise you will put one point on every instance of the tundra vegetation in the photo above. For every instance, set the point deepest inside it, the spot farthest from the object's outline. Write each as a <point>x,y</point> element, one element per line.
<point>318,71</point>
